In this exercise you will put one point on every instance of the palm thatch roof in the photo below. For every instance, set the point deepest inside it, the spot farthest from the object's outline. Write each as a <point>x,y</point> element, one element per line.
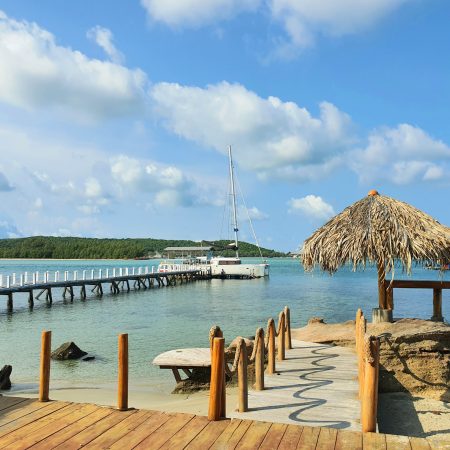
<point>378,229</point>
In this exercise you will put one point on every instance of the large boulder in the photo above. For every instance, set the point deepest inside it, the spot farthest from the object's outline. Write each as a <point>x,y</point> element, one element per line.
<point>68,350</point>
<point>5,382</point>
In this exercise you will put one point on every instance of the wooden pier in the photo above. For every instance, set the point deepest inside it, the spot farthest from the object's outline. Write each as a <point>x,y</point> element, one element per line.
<point>124,281</point>
<point>27,423</point>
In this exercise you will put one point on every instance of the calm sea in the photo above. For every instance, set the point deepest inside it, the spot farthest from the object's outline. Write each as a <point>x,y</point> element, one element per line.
<point>163,319</point>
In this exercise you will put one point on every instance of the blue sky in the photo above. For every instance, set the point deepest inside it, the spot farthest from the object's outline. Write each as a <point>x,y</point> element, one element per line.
<point>115,116</point>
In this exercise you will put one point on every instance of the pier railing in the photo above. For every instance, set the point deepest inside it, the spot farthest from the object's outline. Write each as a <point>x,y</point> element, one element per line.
<point>262,346</point>
<point>368,354</point>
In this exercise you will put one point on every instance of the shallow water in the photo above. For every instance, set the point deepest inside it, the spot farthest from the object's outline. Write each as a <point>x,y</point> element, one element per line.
<point>162,319</point>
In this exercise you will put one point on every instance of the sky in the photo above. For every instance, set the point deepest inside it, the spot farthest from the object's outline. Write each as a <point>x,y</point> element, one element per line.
<point>115,117</point>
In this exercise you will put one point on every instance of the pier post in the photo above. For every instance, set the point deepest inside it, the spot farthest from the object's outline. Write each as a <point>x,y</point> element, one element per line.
<point>100,274</point>
<point>120,271</point>
<point>21,280</point>
<point>370,393</point>
<point>25,278</point>
<point>122,394</point>
<point>132,272</point>
<point>281,336</point>
<point>271,350</point>
<point>84,275</point>
<point>92,274</point>
<point>1,280</point>
<point>13,279</point>
<point>37,277</point>
<point>259,360</point>
<point>75,275</point>
<point>287,318</point>
<point>107,273</point>
<point>215,409</point>
<point>10,301</point>
<point>114,272</point>
<point>242,377</point>
<point>66,275</point>
<point>437,305</point>
<point>361,337</point>
<point>30,299</point>
<point>8,281</point>
<point>34,278</point>
<point>57,276</point>
<point>44,383</point>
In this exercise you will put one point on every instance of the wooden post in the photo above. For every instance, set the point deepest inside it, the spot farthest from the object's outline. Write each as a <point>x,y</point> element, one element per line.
<point>287,317</point>
<point>437,305</point>
<point>381,289</point>
<point>271,350</point>
<point>259,359</point>
<point>242,377</point>
<point>217,379</point>
<point>122,394</point>
<point>44,382</point>
<point>370,394</point>
<point>357,335</point>
<point>9,304</point>
<point>281,336</point>
<point>389,295</point>
<point>30,299</point>
<point>361,337</point>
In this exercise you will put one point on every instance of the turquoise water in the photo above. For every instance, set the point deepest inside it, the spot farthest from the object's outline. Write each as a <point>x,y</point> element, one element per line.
<point>163,319</point>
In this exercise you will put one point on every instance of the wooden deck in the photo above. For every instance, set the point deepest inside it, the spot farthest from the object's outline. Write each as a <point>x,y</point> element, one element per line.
<point>315,385</point>
<point>26,423</point>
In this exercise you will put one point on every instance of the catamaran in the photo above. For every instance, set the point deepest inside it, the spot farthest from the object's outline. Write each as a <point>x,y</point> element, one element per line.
<point>220,266</point>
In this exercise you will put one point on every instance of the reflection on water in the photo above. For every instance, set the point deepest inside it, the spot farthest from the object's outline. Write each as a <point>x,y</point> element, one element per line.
<point>162,319</point>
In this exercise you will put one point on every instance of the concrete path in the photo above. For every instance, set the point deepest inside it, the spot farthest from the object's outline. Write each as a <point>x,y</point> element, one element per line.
<point>315,386</point>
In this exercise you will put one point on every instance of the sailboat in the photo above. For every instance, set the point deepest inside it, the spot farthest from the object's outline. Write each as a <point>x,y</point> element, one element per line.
<point>232,267</point>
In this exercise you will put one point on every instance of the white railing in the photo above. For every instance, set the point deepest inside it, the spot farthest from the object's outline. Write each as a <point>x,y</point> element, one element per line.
<point>32,278</point>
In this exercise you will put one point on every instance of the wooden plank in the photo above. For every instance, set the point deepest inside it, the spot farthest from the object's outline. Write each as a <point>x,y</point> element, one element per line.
<point>374,441</point>
<point>91,432</point>
<point>397,442</point>
<point>208,435</point>
<point>28,428</point>
<point>7,402</point>
<point>308,439</point>
<point>187,433</point>
<point>273,436</point>
<point>291,437</point>
<point>439,444</point>
<point>165,432</point>
<point>231,437</point>
<point>141,432</point>
<point>327,439</point>
<point>348,439</point>
<point>119,430</point>
<point>419,284</point>
<point>254,436</point>
<point>221,442</point>
<point>31,438</point>
<point>419,444</point>
<point>15,412</point>
<point>49,408</point>
<point>66,433</point>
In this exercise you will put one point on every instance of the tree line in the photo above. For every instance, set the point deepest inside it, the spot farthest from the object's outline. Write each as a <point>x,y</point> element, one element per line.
<point>40,247</point>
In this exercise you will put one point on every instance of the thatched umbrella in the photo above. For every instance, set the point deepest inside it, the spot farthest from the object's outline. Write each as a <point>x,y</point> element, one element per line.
<point>379,230</point>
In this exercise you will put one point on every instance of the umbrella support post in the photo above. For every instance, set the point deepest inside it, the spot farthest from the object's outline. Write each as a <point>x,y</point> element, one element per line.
<point>381,315</point>
<point>437,306</point>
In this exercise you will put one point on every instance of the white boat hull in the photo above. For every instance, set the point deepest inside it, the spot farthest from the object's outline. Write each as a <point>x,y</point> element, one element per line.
<point>240,271</point>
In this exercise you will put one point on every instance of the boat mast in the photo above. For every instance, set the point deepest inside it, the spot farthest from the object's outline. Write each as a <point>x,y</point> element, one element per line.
<point>233,195</point>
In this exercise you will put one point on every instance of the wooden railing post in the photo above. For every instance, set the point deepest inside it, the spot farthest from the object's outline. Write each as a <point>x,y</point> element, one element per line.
<point>437,305</point>
<point>361,366</point>
<point>122,394</point>
<point>271,347</point>
<point>369,402</point>
<point>215,409</point>
<point>281,336</point>
<point>44,382</point>
<point>259,360</point>
<point>287,317</point>
<point>242,377</point>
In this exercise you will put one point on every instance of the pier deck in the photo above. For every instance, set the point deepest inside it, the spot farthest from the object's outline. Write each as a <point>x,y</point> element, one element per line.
<point>26,423</point>
<point>315,385</point>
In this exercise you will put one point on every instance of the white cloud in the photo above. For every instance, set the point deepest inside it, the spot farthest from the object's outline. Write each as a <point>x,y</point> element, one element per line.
<point>170,186</point>
<point>402,155</point>
<point>8,229</point>
<point>37,73</point>
<point>270,136</point>
<point>303,20</point>
<point>312,206</point>
<point>92,188</point>
<point>193,13</point>
<point>104,39</point>
<point>253,213</point>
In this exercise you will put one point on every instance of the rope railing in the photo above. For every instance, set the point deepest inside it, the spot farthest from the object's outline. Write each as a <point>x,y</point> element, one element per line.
<point>264,343</point>
<point>368,354</point>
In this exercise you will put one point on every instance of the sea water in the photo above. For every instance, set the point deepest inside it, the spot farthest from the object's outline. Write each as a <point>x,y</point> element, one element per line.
<point>162,319</point>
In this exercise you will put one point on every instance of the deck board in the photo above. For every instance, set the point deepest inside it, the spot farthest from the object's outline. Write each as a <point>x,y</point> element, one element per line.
<point>68,426</point>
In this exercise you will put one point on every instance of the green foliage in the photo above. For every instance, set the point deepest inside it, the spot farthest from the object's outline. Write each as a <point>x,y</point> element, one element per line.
<point>40,247</point>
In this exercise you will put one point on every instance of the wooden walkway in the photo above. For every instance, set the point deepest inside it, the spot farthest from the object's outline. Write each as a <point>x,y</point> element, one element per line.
<point>315,385</point>
<point>26,423</point>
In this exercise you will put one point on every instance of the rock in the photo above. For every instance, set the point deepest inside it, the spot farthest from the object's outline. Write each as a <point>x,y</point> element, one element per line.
<point>69,350</point>
<point>5,373</point>
<point>88,358</point>
<point>315,320</point>
<point>248,343</point>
